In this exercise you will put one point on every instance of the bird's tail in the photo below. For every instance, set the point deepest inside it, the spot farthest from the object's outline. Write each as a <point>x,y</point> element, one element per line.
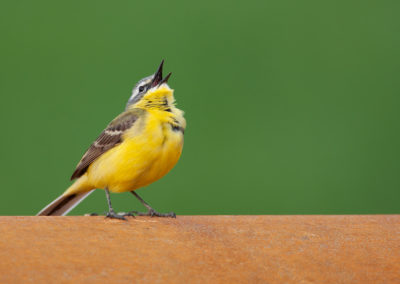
<point>63,204</point>
<point>78,191</point>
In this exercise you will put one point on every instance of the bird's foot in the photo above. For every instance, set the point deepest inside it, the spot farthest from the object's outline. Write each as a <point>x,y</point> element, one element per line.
<point>154,213</point>
<point>113,215</point>
<point>106,214</point>
<point>130,214</point>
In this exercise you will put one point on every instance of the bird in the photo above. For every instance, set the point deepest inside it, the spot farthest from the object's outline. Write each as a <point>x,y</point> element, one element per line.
<point>137,148</point>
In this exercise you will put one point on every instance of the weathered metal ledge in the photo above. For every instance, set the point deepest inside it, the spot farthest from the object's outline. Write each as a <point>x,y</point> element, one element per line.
<point>201,249</point>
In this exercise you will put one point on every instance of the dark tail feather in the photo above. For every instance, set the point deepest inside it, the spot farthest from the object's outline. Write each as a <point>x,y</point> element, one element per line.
<point>63,204</point>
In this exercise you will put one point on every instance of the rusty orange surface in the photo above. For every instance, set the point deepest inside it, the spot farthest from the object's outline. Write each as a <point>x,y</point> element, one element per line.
<point>201,249</point>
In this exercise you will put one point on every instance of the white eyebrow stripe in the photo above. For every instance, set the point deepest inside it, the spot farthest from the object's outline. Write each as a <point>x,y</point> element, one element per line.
<point>136,95</point>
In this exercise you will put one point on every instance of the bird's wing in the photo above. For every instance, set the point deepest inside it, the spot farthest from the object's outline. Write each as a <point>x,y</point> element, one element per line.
<point>109,138</point>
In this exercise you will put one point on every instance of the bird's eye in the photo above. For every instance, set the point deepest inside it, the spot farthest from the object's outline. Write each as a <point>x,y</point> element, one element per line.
<point>141,88</point>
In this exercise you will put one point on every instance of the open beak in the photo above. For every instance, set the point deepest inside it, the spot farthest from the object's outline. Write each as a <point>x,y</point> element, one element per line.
<point>158,79</point>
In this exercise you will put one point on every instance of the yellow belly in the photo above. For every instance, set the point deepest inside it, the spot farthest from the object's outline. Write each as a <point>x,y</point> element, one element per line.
<point>139,160</point>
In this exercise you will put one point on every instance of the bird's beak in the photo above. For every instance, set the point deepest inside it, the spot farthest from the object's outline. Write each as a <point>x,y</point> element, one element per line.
<point>165,80</point>
<point>158,79</point>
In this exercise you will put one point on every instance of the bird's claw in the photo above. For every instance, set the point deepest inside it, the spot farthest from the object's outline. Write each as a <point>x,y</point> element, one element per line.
<point>128,214</point>
<point>113,215</point>
<point>154,213</point>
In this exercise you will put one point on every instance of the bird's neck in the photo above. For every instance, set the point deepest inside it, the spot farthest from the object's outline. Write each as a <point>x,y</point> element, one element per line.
<point>164,102</point>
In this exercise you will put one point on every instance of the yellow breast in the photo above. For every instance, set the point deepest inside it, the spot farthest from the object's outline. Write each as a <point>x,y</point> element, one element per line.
<point>150,149</point>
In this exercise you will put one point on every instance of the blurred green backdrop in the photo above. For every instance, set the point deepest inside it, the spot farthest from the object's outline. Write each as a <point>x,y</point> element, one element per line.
<point>292,106</point>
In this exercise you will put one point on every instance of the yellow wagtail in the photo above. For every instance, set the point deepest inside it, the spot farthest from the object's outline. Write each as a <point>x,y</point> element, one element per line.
<point>138,147</point>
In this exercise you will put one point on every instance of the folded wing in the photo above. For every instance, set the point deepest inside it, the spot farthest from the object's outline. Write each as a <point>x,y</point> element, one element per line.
<point>109,138</point>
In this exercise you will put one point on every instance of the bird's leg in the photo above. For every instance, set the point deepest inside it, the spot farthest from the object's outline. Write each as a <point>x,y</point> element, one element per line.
<point>111,213</point>
<point>150,211</point>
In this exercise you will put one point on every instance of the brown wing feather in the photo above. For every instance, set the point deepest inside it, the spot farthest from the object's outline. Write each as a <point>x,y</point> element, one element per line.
<point>109,138</point>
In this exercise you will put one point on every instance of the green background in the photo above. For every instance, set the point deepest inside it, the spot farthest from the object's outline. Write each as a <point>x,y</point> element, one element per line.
<point>292,106</point>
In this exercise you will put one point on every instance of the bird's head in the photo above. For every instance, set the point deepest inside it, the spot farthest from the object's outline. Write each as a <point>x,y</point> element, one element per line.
<point>151,88</point>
